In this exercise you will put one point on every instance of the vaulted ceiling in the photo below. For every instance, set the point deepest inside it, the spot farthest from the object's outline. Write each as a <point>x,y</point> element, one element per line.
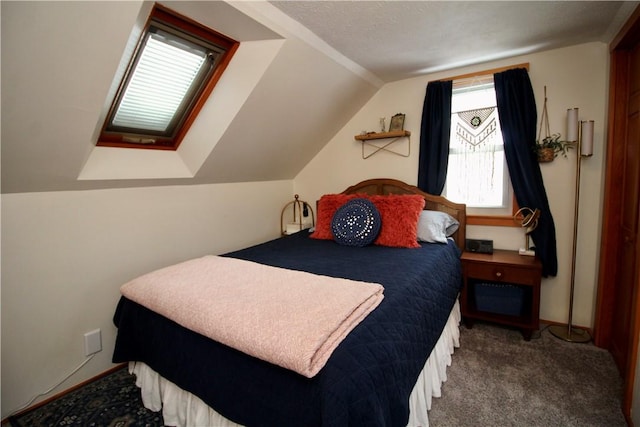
<point>306,69</point>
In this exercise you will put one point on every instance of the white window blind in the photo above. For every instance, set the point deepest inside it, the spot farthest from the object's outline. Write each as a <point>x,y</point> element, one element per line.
<point>167,73</point>
<point>163,76</point>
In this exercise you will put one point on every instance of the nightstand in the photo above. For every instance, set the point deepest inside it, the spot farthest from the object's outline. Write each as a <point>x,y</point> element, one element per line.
<point>503,288</point>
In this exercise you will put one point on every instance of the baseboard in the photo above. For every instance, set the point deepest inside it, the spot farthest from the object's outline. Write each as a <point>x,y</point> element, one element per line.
<point>5,421</point>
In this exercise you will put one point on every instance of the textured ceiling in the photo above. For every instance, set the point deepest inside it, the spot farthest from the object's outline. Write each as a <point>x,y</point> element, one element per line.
<point>400,39</point>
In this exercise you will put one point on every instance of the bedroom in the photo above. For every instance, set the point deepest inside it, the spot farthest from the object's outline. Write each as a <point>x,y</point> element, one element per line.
<point>68,244</point>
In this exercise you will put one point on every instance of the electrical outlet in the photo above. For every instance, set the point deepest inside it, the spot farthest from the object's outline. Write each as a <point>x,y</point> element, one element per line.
<point>92,342</point>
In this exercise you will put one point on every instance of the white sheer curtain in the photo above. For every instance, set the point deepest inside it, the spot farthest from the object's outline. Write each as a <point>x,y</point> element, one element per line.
<point>477,173</point>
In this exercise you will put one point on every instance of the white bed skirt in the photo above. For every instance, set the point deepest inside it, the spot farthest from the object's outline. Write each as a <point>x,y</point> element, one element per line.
<point>181,408</point>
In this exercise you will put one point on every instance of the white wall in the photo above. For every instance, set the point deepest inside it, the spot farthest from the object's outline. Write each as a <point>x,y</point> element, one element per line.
<point>65,255</point>
<point>575,77</point>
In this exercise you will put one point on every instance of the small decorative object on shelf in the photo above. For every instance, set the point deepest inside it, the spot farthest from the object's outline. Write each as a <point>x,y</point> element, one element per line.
<point>382,124</point>
<point>397,123</point>
<point>300,219</point>
<point>550,146</point>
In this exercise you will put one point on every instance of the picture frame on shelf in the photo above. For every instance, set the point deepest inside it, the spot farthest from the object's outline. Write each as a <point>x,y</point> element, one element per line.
<point>397,123</point>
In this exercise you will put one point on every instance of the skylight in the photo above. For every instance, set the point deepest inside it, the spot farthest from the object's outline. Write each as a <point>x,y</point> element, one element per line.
<point>174,69</point>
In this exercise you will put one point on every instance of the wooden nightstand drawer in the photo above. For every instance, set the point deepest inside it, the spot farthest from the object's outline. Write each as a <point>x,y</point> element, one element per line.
<point>500,273</point>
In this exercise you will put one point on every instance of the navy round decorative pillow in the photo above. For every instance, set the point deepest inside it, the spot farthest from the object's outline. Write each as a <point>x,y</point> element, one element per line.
<point>356,223</point>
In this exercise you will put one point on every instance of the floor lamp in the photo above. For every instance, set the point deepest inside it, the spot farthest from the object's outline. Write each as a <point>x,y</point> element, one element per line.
<point>581,133</point>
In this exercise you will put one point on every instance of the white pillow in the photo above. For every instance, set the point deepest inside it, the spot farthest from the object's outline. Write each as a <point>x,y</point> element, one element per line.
<point>435,226</point>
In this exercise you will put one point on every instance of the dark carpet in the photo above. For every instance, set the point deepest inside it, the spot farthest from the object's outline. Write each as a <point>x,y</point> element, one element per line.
<point>496,379</point>
<point>113,400</point>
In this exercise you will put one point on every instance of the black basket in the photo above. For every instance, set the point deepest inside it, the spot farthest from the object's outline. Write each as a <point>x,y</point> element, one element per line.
<point>499,298</point>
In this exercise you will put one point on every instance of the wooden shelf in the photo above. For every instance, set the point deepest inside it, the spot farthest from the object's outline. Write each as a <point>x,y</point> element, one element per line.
<point>377,147</point>
<point>382,135</point>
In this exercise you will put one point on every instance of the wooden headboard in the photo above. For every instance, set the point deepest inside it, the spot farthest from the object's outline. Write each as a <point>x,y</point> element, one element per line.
<point>383,186</point>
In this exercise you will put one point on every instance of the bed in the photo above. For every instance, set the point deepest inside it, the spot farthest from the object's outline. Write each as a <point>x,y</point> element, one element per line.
<point>384,372</point>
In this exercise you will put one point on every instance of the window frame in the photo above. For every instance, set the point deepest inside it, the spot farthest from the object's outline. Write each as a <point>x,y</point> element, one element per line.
<point>169,18</point>
<point>491,220</point>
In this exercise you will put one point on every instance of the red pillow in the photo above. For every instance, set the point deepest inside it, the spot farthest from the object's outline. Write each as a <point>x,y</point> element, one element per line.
<point>399,215</point>
<point>327,207</point>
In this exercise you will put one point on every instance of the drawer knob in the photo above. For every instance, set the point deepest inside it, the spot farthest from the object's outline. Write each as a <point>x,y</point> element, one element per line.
<point>498,274</point>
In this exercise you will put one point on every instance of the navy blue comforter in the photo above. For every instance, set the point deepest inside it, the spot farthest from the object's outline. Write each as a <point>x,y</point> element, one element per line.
<point>368,379</point>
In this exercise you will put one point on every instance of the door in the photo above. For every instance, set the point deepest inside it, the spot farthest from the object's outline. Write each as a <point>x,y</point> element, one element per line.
<point>617,325</point>
<point>627,262</point>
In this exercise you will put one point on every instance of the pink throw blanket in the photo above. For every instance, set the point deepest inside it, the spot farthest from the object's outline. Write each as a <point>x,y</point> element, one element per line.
<point>290,318</point>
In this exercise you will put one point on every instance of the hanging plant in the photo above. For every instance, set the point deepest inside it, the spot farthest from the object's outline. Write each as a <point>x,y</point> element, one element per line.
<point>551,145</point>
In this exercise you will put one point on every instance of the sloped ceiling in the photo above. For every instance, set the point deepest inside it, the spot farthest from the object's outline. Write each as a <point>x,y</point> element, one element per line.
<point>58,63</point>
<point>59,60</point>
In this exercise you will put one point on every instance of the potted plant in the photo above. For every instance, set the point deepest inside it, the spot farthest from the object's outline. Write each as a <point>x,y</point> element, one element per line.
<point>550,146</point>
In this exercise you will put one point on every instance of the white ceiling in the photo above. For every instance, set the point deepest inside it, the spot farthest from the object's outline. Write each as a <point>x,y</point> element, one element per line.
<point>400,39</point>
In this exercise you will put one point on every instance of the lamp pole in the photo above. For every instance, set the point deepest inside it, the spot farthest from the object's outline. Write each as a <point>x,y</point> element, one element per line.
<point>584,149</point>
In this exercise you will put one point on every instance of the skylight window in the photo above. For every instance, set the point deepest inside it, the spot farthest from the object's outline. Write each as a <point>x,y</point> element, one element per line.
<point>174,69</point>
<point>166,72</point>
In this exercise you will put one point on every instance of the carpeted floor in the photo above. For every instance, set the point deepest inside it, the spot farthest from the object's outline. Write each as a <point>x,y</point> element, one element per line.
<point>496,379</point>
<point>113,401</point>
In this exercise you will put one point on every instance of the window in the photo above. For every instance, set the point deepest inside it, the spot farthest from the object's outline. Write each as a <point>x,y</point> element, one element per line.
<point>175,66</point>
<point>477,173</point>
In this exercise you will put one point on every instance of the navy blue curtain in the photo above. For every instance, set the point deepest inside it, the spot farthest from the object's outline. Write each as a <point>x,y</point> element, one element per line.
<point>518,117</point>
<point>434,137</point>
